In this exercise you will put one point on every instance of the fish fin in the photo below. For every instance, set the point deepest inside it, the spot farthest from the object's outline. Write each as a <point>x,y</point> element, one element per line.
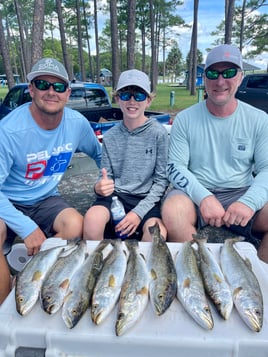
<point>112,281</point>
<point>37,275</point>
<point>199,237</point>
<point>217,278</point>
<point>64,285</point>
<point>237,291</point>
<point>186,283</point>
<point>143,291</point>
<point>153,274</point>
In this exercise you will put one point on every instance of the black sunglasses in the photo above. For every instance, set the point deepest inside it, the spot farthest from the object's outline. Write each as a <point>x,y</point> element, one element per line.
<point>58,87</point>
<point>138,96</point>
<point>227,73</point>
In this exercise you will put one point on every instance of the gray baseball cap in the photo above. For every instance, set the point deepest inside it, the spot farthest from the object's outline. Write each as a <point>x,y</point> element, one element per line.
<point>49,67</point>
<point>134,77</point>
<point>224,53</point>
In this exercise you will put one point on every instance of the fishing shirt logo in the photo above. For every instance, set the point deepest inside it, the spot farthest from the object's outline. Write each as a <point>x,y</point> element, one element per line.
<point>43,165</point>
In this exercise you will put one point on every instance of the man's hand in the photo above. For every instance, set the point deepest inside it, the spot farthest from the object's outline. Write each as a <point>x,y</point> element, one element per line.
<point>212,211</point>
<point>238,213</point>
<point>105,186</point>
<point>34,241</point>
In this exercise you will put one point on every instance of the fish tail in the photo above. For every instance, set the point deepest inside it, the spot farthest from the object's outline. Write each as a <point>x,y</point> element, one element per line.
<point>199,238</point>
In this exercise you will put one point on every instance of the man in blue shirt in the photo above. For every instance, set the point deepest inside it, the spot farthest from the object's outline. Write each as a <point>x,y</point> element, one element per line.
<point>38,141</point>
<point>215,146</point>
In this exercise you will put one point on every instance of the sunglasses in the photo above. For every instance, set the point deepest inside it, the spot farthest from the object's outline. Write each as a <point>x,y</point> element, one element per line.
<point>227,73</point>
<point>58,87</point>
<point>138,96</point>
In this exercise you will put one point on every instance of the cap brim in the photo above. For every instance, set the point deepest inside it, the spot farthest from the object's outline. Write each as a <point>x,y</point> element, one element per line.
<point>32,75</point>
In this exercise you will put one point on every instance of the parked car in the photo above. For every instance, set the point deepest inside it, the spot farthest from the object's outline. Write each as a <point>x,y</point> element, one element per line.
<point>83,96</point>
<point>254,90</point>
<point>90,99</point>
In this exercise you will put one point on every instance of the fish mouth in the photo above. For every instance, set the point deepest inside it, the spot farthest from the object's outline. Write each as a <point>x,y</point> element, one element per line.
<point>96,317</point>
<point>254,320</point>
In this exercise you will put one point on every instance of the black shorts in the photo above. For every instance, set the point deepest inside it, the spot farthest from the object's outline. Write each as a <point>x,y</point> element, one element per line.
<point>43,213</point>
<point>129,202</point>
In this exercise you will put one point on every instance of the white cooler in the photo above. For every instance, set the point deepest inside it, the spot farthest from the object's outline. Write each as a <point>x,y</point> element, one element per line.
<point>173,334</point>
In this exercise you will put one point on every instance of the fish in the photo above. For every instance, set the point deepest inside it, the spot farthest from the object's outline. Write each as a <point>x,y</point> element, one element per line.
<point>29,281</point>
<point>162,273</point>
<point>56,284</point>
<point>108,286</point>
<point>190,287</point>
<point>246,291</point>
<point>134,294</point>
<point>215,283</point>
<point>78,296</point>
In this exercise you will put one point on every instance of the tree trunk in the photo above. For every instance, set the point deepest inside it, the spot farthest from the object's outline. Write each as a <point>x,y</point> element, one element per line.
<point>131,34</point>
<point>66,57</point>
<point>6,57</point>
<point>115,49</point>
<point>153,48</point>
<point>38,31</point>
<point>25,44</point>
<point>80,43</point>
<point>97,42</point>
<point>229,14</point>
<point>193,54</point>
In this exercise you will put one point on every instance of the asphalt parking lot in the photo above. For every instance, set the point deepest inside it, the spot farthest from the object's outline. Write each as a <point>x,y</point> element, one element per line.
<point>78,182</point>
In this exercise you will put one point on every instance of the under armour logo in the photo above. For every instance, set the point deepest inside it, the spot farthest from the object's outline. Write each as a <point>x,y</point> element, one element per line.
<point>148,151</point>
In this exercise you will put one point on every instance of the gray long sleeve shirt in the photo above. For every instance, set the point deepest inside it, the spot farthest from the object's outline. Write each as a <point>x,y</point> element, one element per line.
<point>136,160</point>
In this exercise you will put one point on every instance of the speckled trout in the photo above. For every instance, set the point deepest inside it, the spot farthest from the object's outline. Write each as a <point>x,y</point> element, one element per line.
<point>214,281</point>
<point>162,273</point>
<point>56,284</point>
<point>108,286</point>
<point>190,291</point>
<point>30,279</point>
<point>246,291</point>
<point>134,294</point>
<point>78,296</point>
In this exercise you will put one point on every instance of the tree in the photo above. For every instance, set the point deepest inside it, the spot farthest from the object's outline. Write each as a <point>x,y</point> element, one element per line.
<point>66,58</point>
<point>131,34</point>
<point>174,61</point>
<point>229,14</point>
<point>114,37</point>
<point>193,52</point>
<point>5,55</point>
<point>37,31</point>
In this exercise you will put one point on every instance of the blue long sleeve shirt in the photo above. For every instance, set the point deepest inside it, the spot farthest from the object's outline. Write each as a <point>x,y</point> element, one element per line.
<point>33,160</point>
<point>208,152</point>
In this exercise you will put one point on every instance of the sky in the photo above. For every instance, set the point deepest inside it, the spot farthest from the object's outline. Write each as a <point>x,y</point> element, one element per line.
<point>210,15</point>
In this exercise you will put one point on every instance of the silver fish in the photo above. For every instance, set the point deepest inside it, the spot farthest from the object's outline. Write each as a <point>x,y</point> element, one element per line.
<point>55,286</point>
<point>246,291</point>
<point>214,281</point>
<point>162,273</point>
<point>135,290</point>
<point>109,283</point>
<point>191,292</point>
<point>81,287</point>
<point>30,279</point>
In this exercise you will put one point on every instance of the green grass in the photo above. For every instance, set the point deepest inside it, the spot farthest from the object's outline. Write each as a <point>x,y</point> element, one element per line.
<point>182,98</point>
<point>3,92</point>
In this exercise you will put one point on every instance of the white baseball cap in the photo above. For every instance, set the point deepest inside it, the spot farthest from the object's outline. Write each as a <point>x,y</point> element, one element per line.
<point>134,77</point>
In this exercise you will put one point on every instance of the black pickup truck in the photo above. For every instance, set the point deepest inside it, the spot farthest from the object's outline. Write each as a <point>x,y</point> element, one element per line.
<point>90,99</point>
<point>254,90</point>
